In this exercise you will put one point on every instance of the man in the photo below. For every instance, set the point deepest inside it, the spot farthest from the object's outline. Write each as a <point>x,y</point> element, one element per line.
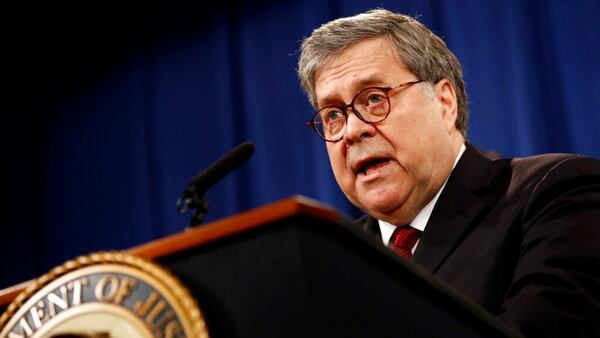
<point>520,237</point>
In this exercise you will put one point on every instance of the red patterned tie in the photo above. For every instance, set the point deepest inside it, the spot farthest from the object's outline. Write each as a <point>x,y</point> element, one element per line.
<point>403,239</point>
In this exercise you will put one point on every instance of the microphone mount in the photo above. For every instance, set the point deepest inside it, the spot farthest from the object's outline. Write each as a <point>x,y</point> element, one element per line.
<point>192,197</point>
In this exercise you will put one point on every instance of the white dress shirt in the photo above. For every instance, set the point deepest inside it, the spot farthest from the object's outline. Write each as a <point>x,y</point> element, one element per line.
<point>422,217</point>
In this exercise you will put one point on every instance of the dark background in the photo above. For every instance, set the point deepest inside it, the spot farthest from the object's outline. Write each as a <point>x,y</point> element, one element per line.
<point>108,111</point>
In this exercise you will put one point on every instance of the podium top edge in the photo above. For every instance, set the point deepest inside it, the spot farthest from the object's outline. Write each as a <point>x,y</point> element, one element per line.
<point>253,218</point>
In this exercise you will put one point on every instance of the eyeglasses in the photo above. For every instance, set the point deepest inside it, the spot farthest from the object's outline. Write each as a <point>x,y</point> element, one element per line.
<point>371,105</point>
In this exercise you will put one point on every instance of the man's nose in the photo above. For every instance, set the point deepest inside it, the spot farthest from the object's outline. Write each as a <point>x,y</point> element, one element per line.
<point>357,129</point>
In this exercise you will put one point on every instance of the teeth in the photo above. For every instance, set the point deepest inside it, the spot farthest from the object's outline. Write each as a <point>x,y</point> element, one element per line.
<point>369,166</point>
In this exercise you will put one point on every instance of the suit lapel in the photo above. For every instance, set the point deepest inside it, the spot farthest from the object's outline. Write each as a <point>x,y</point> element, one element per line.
<point>455,211</point>
<point>370,225</point>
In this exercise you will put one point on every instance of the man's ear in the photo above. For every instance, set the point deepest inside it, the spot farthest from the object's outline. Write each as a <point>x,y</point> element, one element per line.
<point>445,93</point>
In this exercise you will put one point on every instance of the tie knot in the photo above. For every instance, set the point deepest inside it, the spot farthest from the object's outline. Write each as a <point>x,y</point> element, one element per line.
<point>404,239</point>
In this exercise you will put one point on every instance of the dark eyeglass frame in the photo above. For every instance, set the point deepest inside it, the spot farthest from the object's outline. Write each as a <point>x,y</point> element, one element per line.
<point>344,109</point>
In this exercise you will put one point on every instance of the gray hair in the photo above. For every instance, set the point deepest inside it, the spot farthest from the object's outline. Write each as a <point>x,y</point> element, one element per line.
<point>419,49</point>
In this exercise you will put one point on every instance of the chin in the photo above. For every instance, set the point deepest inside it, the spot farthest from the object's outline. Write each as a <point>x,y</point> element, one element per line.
<point>383,209</point>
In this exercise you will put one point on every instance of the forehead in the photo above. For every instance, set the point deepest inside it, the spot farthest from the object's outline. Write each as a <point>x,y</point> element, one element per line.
<point>369,62</point>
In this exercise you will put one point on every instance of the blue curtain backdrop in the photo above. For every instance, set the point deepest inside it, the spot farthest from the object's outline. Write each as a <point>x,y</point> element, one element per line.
<point>109,111</point>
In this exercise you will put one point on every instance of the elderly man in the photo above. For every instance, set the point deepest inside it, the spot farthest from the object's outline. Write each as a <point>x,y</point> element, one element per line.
<point>520,237</point>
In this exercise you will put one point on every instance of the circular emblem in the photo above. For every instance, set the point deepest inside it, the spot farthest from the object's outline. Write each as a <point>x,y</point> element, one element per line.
<point>105,294</point>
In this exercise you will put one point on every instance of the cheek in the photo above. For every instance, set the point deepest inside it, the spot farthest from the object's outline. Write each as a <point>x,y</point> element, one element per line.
<point>337,159</point>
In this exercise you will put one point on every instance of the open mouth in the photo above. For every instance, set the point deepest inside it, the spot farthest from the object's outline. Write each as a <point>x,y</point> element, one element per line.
<point>372,165</point>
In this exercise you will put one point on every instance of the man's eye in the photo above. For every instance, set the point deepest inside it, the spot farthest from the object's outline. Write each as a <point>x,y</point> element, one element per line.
<point>375,98</point>
<point>333,115</point>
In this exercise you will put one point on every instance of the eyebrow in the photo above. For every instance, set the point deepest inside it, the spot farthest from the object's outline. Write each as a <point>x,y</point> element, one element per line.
<point>356,86</point>
<point>367,82</point>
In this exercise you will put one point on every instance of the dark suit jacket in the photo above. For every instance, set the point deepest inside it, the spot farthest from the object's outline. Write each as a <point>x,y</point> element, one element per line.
<point>520,237</point>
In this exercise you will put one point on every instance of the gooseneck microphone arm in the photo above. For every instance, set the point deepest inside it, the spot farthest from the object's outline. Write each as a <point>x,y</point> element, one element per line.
<point>192,197</point>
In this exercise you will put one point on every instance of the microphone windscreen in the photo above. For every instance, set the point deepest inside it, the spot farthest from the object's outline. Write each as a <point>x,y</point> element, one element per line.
<point>220,168</point>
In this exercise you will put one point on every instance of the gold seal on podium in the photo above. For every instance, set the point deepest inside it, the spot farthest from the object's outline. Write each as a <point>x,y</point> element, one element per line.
<point>105,294</point>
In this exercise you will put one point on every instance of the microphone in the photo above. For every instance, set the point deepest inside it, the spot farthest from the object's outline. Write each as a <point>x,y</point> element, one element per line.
<point>192,197</point>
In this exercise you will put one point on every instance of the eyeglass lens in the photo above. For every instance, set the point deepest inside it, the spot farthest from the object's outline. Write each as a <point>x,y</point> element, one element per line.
<point>371,104</point>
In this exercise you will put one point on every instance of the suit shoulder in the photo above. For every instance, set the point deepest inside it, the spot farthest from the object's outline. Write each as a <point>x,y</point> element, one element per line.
<point>555,167</point>
<point>552,179</point>
<point>538,178</point>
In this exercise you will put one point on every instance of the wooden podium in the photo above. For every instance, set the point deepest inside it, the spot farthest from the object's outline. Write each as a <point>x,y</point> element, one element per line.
<point>296,268</point>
